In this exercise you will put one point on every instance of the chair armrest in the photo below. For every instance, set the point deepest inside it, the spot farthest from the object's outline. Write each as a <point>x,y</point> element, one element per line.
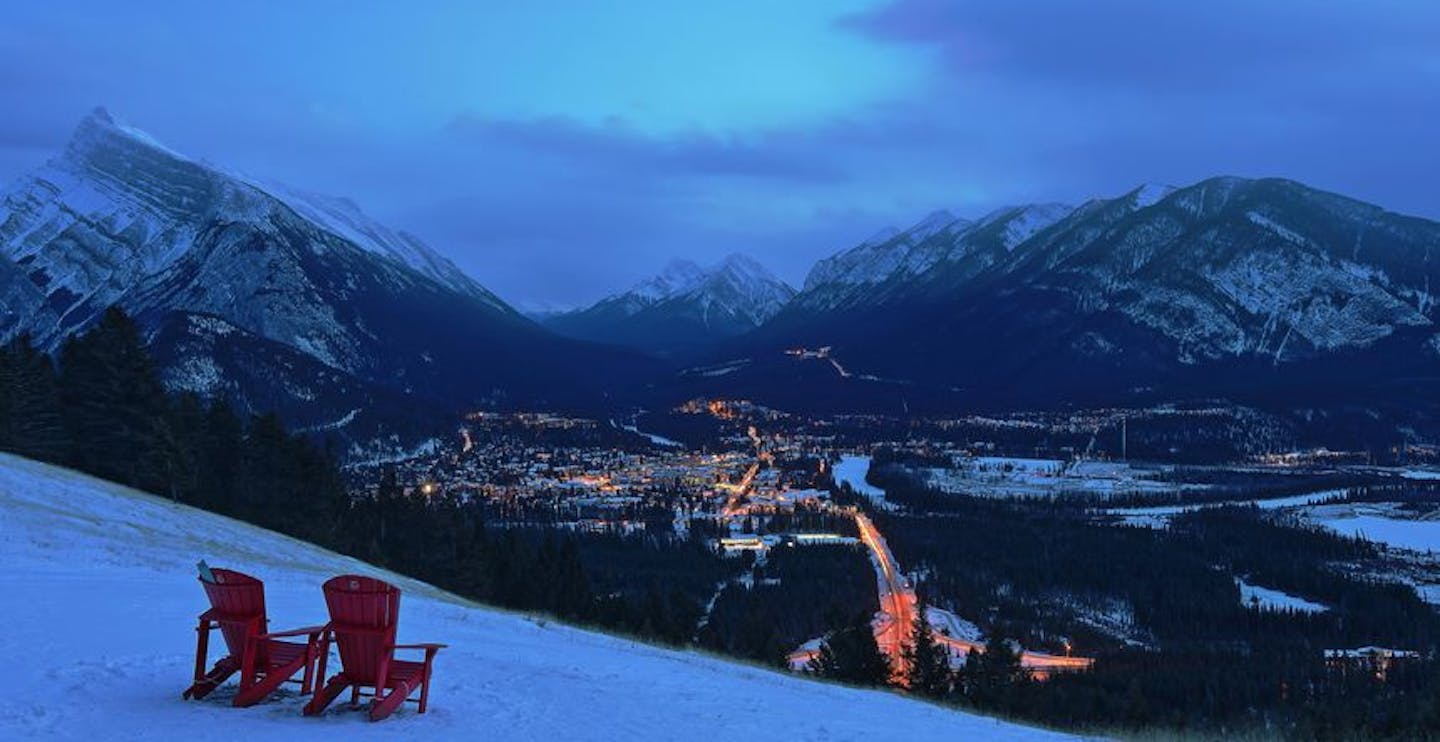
<point>340,628</point>
<point>308,630</point>
<point>426,647</point>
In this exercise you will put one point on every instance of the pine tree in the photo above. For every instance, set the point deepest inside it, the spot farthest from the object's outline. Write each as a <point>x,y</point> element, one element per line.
<point>30,421</point>
<point>990,676</point>
<point>927,663</point>
<point>267,476</point>
<point>113,404</point>
<point>387,500</point>
<point>178,436</point>
<point>221,439</point>
<point>851,655</point>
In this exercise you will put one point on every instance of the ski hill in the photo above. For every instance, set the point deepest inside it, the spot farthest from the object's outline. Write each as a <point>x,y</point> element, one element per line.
<point>100,601</point>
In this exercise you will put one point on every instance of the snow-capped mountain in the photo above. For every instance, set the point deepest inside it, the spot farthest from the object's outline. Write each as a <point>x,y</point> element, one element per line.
<point>343,217</point>
<point>892,262</point>
<point>684,307</point>
<point>294,287</point>
<point>1156,286</point>
<point>83,554</point>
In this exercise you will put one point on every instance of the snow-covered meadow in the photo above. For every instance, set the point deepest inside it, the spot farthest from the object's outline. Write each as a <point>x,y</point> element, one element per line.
<point>852,470</point>
<point>1007,476</point>
<point>1275,600</point>
<point>1382,523</point>
<point>101,598</point>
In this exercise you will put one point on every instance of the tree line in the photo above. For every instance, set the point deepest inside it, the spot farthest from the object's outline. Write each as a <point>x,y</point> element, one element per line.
<point>100,407</point>
<point>1198,658</point>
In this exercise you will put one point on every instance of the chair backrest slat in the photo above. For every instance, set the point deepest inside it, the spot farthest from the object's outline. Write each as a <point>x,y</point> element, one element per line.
<point>364,614</point>
<point>240,599</point>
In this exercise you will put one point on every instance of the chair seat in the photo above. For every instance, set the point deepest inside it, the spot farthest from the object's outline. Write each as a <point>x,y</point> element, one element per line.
<point>281,653</point>
<point>405,671</point>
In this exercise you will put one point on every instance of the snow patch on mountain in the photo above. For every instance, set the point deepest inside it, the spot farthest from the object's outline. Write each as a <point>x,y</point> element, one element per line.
<point>342,217</point>
<point>1021,223</point>
<point>678,277</point>
<point>939,240</point>
<point>1150,194</point>
<point>734,295</point>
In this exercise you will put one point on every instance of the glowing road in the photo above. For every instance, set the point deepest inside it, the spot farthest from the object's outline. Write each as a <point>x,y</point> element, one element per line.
<point>897,599</point>
<point>895,627</point>
<point>733,504</point>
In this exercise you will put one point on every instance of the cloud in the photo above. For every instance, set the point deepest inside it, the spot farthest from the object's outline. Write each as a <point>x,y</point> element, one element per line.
<point>1161,47</point>
<point>1076,98</point>
<point>561,156</point>
<point>771,155</point>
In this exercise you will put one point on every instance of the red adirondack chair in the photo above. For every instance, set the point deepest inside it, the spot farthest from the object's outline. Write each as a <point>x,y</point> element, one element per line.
<point>364,613</point>
<point>264,661</point>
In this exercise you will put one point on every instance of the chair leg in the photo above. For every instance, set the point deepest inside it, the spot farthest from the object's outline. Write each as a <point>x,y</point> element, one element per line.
<point>307,681</point>
<point>212,680</point>
<point>202,649</point>
<point>425,678</point>
<point>326,695</point>
<point>385,705</point>
<point>355,695</point>
<point>259,689</point>
<point>267,683</point>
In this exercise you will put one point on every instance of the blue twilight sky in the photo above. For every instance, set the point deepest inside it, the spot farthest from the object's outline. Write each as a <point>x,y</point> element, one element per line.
<point>562,149</point>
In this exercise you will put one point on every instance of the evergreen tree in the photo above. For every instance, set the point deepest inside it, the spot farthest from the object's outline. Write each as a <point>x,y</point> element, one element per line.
<point>851,655</point>
<point>218,452</point>
<point>991,676</point>
<point>178,439</point>
<point>267,475</point>
<point>927,662</point>
<point>388,498</point>
<point>113,404</point>
<point>30,422</point>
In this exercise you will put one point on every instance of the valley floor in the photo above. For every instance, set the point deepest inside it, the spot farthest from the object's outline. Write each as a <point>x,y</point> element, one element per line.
<point>100,602</point>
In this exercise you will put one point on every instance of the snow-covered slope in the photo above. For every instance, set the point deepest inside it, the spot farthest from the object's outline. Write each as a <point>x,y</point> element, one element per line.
<point>99,610</point>
<point>684,307</point>
<point>853,277</point>
<point>936,253</point>
<point>343,217</point>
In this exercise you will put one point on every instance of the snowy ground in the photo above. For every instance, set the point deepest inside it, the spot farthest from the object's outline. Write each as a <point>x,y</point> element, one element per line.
<point>1159,517</point>
<point>852,470</point>
<point>658,440</point>
<point>949,624</point>
<point>100,596</point>
<point>1274,600</point>
<point>1005,476</point>
<point>1379,522</point>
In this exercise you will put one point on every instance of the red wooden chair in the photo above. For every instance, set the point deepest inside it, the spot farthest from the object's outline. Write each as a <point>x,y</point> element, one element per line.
<point>264,661</point>
<point>364,613</point>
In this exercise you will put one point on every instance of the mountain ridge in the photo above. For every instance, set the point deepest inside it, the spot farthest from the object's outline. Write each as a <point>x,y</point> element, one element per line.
<point>119,218</point>
<point>683,308</point>
<point>1157,293</point>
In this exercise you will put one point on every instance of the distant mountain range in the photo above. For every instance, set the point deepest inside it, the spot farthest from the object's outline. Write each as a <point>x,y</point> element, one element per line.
<point>684,309</point>
<point>1263,290</point>
<point>274,298</point>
